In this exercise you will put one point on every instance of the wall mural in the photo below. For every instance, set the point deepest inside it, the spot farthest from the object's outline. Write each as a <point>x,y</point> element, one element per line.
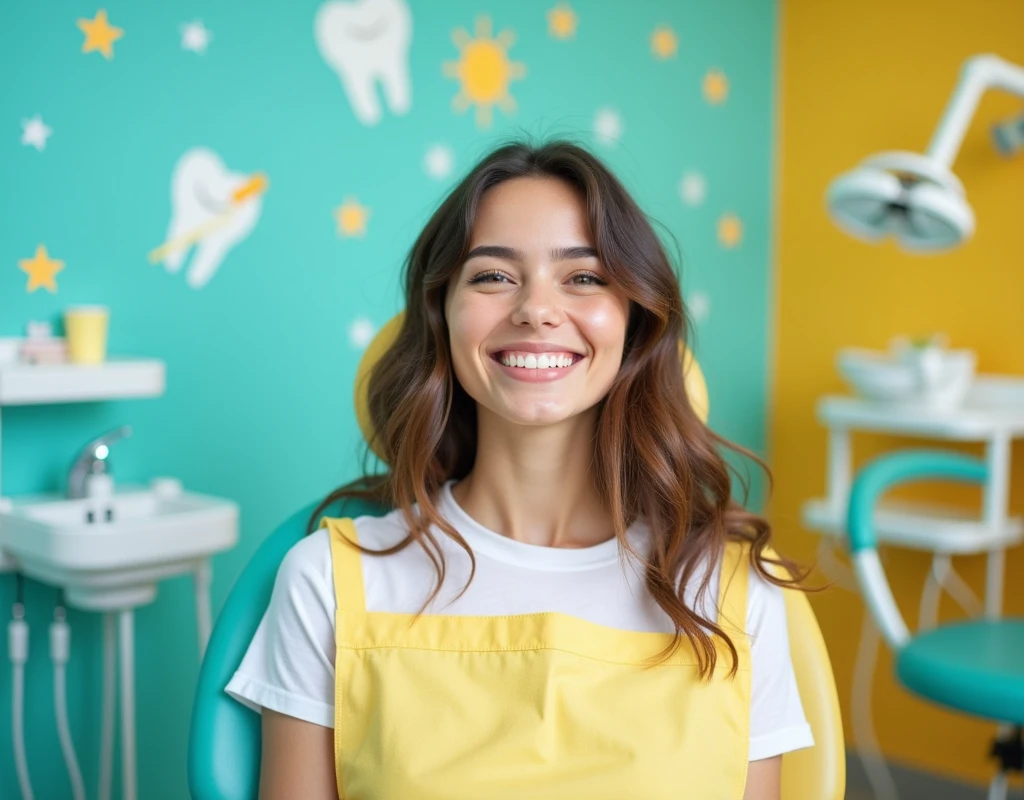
<point>484,71</point>
<point>100,35</point>
<point>212,210</point>
<point>366,43</point>
<point>41,270</point>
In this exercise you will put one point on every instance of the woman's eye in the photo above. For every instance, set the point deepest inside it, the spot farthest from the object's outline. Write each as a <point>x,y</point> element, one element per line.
<point>487,277</point>
<point>593,280</point>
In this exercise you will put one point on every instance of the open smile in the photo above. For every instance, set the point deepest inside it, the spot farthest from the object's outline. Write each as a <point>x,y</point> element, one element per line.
<point>536,367</point>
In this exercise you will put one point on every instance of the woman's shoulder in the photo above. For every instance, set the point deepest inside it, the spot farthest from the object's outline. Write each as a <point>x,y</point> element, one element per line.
<point>309,561</point>
<point>375,532</point>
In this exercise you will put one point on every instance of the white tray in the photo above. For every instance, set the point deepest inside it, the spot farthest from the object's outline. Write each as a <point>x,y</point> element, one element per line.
<point>994,404</point>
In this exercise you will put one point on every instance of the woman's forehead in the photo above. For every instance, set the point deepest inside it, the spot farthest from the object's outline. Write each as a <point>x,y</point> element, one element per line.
<point>531,212</point>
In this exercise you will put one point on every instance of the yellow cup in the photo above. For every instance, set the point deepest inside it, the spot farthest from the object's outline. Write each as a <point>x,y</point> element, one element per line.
<point>86,330</point>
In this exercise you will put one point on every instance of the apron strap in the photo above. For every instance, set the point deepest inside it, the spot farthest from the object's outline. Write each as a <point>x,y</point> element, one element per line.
<point>348,564</point>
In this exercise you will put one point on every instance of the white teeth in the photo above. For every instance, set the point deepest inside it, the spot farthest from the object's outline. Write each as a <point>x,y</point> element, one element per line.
<point>531,361</point>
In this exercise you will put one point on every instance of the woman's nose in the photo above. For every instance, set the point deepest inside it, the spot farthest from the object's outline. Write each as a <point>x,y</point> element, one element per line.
<point>537,304</point>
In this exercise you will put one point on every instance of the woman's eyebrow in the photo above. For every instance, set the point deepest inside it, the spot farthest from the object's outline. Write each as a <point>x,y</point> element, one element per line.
<point>513,254</point>
<point>568,253</point>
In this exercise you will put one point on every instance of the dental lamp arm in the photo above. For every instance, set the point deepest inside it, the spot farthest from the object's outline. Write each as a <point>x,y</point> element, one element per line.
<point>872,481</point>
<point>978,73</point>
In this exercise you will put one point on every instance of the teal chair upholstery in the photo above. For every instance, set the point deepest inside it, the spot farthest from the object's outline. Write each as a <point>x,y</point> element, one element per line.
<point>224,737</point>
<point>975,666</point>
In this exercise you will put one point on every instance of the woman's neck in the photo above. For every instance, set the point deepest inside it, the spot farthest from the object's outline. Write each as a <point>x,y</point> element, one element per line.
<point>534,484</point>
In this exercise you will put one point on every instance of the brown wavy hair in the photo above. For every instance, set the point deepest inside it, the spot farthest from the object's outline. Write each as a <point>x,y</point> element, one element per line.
<point>654,458</point>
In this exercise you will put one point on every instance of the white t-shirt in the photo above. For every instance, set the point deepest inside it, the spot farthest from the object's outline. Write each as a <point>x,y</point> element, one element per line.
<point>289,666</point>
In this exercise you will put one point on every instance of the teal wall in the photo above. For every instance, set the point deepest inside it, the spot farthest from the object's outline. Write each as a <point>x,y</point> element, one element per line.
<point>260,359</point>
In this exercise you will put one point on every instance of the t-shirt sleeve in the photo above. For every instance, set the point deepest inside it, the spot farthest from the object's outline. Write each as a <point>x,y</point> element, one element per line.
<point>289,666</point>
<point>777,721</point>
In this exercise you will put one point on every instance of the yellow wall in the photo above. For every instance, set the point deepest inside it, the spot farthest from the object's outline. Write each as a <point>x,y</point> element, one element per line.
<point>857,78</point>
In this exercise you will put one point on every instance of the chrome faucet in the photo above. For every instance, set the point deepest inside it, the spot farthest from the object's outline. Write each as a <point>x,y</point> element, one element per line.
<point>93,459</point>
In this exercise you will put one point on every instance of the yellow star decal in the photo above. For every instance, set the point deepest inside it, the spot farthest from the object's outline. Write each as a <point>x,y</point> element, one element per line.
<point>730,231</point>
<point>716,86</point>
<point>352,218</point>
<point>562,22</point>
<point>41,270</point>
<point>664,42</point>
<point>99,34</point>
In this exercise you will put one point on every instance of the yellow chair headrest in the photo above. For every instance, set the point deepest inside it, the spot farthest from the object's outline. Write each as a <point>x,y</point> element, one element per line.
<point>696,387</point>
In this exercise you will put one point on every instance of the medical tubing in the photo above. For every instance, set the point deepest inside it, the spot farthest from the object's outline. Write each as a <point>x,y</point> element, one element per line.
<point>60,648</point>
<point>17,644</point>
<point>109,698</point>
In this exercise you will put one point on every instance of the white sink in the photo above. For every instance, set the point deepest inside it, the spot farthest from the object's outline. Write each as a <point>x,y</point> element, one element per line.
<point>152,533</point>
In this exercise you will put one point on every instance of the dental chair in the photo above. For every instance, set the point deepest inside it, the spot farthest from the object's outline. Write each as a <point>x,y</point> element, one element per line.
<point>974,666</point>
<point>224,740</point>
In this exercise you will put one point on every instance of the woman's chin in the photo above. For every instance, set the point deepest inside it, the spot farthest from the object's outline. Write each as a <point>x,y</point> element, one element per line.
<point>534,416</point>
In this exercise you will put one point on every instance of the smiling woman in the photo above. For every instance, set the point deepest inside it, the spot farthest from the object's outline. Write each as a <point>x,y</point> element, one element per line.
<point>538,436</point>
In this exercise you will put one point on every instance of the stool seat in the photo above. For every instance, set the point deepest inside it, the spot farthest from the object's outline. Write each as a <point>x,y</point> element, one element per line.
<point>975,666</point>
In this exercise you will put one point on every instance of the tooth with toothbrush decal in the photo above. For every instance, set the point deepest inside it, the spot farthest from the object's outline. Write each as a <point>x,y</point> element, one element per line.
<point>212,211</point>
<point>366,42</point>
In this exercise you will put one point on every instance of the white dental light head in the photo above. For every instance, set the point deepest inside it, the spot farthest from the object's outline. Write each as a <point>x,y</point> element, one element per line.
<point>916,198</point>
<point>909,196</point>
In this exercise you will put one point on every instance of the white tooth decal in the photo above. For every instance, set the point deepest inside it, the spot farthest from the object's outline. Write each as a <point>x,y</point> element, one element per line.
<point>365,41</point>
<point>210,207</point>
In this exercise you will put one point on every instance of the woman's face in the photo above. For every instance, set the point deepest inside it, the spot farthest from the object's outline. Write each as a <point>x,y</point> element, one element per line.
<point>532,292</point>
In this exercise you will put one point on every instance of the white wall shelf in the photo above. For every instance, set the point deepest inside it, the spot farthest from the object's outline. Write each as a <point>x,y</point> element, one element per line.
<point>115,379</point>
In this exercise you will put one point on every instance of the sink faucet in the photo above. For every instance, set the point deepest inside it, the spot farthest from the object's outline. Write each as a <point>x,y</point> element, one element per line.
<point>92,460</point>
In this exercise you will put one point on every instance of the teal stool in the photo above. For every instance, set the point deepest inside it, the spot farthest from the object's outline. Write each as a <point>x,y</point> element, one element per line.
<point>976,666</point>
<point>224,739</point>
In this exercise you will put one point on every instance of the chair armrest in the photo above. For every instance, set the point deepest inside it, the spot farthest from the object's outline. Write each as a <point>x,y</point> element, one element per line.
<point>872,481</point>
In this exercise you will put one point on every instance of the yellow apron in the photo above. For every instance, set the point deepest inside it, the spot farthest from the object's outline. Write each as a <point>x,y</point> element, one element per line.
<point>532,706</point>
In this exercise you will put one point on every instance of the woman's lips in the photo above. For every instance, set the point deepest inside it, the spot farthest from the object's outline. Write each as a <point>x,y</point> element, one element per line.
<point>545,375</point>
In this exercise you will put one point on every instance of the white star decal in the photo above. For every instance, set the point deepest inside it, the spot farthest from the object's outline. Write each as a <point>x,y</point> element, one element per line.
<point>699,305</point>
<point>195,37</point>
<point>608,126</point>
<point>438,161</point>
<point>35,132</point>
<point>692,188</point>
<point>361,332</point>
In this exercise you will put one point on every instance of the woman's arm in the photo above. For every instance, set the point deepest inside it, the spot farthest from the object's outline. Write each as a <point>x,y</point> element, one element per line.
<point>764,779</point>
<point>298,759</point>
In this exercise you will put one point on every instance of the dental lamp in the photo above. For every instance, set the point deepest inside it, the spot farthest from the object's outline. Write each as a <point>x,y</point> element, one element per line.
<point>916,198</point>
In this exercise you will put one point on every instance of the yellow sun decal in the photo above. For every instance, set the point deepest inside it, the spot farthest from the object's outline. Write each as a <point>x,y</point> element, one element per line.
<point>716,86</point>
<point>484,71</point>
<point>730,230</point>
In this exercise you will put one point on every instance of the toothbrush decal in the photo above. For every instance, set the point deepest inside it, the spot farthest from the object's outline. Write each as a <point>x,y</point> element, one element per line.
<point>212,210</point>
